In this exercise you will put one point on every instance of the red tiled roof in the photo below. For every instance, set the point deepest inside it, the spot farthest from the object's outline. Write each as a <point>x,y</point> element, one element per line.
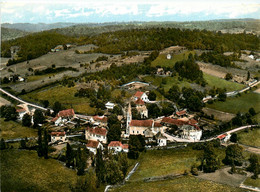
<point>221,136</point>
<point>179,113</point>
<point>92,144</point>
<point>144,123</point>
<point>66,113</point>
<point>100,118</point>
<point>139,101</point>
<point>193,121</point>
<point>173,121</point>
<point>55,119</point>
<point>115,144</point>
<point>125,146</point>
<point>58,134</point>
<point>97,131</point>
<point>20,110</point>
<point>138,94</point>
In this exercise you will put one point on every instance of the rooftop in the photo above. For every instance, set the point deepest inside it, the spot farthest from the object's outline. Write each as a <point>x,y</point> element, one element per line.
<point>58,133</point>
<point>66,113</point>
<point>138,94</point>
<point>97,131</point>
<point>92,144</point>
<point>144,123</point>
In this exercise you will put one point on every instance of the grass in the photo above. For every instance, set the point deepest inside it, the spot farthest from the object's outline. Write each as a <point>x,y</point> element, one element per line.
<point>25,171</point>
<point>222,83</point>
<point>162,61</point>
<point>184,184</point>
<point>65,95</point>
<point>165,162</point>
<point>251,138</point>
<point>11,130</point>
<point>37,77</point>
<point>252,182</point>
<point>241,103</point>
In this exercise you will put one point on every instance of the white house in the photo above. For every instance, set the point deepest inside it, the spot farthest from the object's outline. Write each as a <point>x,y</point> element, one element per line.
<point>161,139</point>
<point>99,120</point>
<point>110,105</point>
<point>141,108</point>
<point>117,146</point>
<point>192,132</point>
<point>63,116</point>
<point>93,146</point>
<point>168,56</point>
<point>58,136</point>
<point>141,95</point>
<point>96,134</point>
<point>21,112</point>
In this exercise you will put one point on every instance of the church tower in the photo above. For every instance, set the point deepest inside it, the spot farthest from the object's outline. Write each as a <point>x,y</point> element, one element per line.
<point>128,118</point>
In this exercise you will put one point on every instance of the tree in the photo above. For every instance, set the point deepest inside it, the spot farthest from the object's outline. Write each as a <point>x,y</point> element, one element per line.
<point>23,143</point>
<point>2,144</point>
<point>248,76</point>
<point>113,173</point>
<point>56,107</point>
<point>112,119</point>
<point>135,146</point>
<point>194,103</point>
<point>123,161</point>
<point>100,167</point>
<point>228,76</point>
<point>87,183</point>
<point>38,118</point>
<point>210,162</point>
<point>69,156</point>
<point>234,153</point>
<point>40,148</point>
<point>154,110</point>
<point>114,133</point>
<point>80,162</point>
<point>45,103</point>
<point>27,120</point>
<point>8,112</point>
<point>174,93</point>
<point>117,110</point>
<point>222,96</point>
<point>45,144</point>
<point>254,166</point>
<point>152,96</point>
<point>252,111</point>
<point>233,138</point>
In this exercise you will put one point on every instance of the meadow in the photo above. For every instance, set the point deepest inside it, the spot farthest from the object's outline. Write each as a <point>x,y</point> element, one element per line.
<point>250,138</point>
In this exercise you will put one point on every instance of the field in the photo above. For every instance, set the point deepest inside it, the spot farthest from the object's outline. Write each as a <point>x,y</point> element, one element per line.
<point>252,182</point>
<point>25,171</point>
<point>65,95</point>
<point>251,138</point>
<point>165,162</point>
<point>183,184</point>
<point>11,130</point>
<point>3,101</point>
<point>222,83</point>
<point>162,61</point>
<point>236,104</point>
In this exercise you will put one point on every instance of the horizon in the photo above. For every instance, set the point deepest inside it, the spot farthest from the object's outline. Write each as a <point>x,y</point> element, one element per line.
<point>35,12</point>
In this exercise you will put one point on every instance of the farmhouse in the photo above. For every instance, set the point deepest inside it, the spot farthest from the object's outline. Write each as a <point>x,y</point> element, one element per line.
<point>93,146</point>
<point>191,132</point>
<point>96,134</point>
<point>58,136</point>
<point>117,146</point>
<point>110,105</point>
<point>21,112</point>
<point>135,85</point>
<point>141,95</point>
<point>161,139</point>
<point>63,116</point>
<point>141,108</point>
<point>137,127</point>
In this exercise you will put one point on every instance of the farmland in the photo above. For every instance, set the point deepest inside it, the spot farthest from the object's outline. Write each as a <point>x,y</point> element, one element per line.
<point>250,138</point>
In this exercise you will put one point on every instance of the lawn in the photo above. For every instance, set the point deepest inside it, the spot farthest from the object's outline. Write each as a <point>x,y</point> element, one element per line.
<point>183,184</point>
<point>222,83</point>
<point>37,77</point>
<point>241,103</point>
<point>25,171</point>
<point>165,162</point>
<point>12,129</point>
<point>252,182</point>
<point>251,138</point>
<point>65,95</point>
<point>162,61</point>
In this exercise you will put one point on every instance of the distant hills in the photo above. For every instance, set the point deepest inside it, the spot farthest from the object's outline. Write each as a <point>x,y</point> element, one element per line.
<point>8,34</point>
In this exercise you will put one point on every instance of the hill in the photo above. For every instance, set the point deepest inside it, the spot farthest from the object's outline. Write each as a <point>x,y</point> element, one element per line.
<point>8,34</point>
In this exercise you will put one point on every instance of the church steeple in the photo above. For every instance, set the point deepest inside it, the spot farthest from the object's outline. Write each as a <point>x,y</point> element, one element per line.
<point>128,117</point>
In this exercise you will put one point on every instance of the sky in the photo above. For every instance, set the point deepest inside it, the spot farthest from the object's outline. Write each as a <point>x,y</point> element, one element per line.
<point>100,11</point>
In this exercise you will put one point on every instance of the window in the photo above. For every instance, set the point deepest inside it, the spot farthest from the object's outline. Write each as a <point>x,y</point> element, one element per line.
<point>133,131</point>
<point>143,132</point>
<point>60,137</point>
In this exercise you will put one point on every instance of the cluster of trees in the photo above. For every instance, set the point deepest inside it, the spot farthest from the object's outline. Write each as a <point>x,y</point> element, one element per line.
<point>54,70</point>
<point>8,112</point>
<point>114,131</point>
<point>189,69</point>
<point>102,58</point>
<point>244,119</point>
<point>34,45</point>
<point>136,145</point>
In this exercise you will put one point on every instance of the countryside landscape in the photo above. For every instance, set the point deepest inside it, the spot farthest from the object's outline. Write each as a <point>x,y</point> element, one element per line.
<point>138,96</point>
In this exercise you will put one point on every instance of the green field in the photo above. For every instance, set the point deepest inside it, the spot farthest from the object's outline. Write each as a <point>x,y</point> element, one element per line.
<point>165,162</point>
<point>65,95</point>
<point>37,77</point>
<point>252,182</point>
<point>252,138</point>
<point>25,171</point>
<point>236,104</point>
<point>11,130</point>
<point>162,61</point>
<point>183,184</point>
<point>222,83</point>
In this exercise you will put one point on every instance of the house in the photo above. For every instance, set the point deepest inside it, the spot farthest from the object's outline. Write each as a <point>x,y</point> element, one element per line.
<point>191,132</point>
<point>63,117</point>
<point>141,95</point>
<point>93,146</point>
<point>182,113</point>
<point>20,78</point>
<point>57,121</point>
<point>58,136</point>
<point>99,120</point>
<point>110,105</point>
<point>168,56</point>
<point>21,112</point>
<point>117,146</point>
<point>224,137</point>
<point>169,122</point>
<point>161,139</point>
<point>96,134</point>
<point>135,85</point>
<point>137,127</point>
<point>141,108</point>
